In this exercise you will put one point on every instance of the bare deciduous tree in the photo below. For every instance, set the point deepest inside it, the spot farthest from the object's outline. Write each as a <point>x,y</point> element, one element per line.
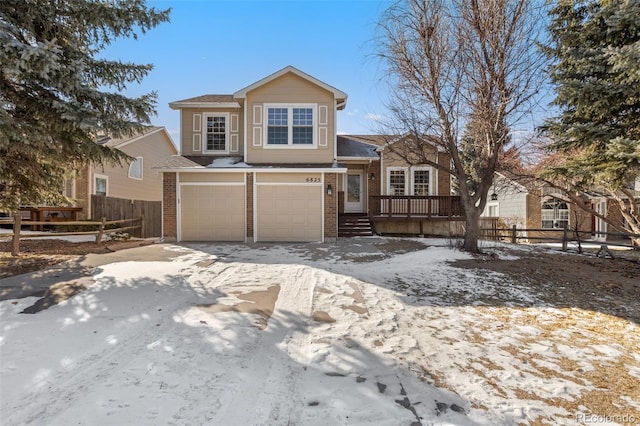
<point>463,71</point>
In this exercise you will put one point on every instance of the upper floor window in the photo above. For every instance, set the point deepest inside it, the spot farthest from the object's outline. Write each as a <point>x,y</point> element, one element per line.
<point>216,132</point>
<point>135,169</point>
<point>100,184</point>
<point>289,125</point>
<point>555,214</point>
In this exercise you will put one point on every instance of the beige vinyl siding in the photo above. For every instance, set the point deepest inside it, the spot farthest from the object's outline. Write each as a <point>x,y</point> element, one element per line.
<point>154,148</point>
<point>393,161</point>
<point>439,184</point>
<point>237,177</point>
<point>290,89</point>
<point>288,177</point>
<point>190,126</point>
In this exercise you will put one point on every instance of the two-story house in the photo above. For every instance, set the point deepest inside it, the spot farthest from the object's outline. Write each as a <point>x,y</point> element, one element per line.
<point>266,164</point>
<point>136,180</point>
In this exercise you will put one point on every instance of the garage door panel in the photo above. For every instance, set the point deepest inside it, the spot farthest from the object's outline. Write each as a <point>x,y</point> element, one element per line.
<point>298,219</point>
<point>212,213</point>
<point>289,213</point>
<point>300,207</point>
<point>314,204</point>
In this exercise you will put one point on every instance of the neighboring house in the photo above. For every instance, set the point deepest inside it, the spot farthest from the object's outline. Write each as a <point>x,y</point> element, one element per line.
<point>602,204</point>
<point>137,180</point>
<point>266,164</point>
<point>523,203</point>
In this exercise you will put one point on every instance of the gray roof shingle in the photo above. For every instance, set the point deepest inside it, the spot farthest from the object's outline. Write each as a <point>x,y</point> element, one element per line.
<point>208,98</point>
<point>350,147</point>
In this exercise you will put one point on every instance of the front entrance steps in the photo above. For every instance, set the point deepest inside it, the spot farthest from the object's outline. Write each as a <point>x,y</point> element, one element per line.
<point>354,225</point>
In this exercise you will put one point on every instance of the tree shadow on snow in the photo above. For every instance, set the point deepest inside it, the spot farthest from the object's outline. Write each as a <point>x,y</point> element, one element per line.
<point>145,350</point>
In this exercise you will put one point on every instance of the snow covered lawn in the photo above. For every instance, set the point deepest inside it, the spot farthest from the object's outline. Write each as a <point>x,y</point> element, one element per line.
<point>358,333</point>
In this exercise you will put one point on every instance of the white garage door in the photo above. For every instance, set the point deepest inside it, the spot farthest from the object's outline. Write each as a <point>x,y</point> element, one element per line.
<point>212,212</point>
<point>289,213</point>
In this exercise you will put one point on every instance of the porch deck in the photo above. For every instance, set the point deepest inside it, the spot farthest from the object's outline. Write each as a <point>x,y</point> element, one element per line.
<point>416,207</point>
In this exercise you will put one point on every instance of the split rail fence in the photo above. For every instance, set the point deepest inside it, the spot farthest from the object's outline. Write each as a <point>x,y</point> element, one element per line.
<point>101,230</point>
<point>565,236</point>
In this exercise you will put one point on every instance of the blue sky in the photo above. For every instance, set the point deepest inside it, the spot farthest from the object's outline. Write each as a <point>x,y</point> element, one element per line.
<point>222,46</point>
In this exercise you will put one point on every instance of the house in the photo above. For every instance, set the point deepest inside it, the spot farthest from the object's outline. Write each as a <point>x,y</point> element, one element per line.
<point>527,205</point>
<point>530,205</point>
<point>611,208</point>
<point>266,164</point>
<point>137,180</point>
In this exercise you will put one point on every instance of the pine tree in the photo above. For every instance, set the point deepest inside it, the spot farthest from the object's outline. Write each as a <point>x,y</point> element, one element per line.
<point>595,46</point>
<point>57,94</point>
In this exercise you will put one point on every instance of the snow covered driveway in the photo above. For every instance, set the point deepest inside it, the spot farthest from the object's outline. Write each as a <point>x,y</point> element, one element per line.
<point>290,335</point>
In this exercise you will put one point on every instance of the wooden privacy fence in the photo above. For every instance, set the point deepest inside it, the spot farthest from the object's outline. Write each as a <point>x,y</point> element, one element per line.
<point>102,229</point>
<point>121,208</point>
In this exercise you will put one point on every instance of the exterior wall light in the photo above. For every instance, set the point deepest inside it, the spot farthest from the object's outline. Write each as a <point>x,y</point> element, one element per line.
<point>372,176</point>
<point>329,189</point>
<point>494,197</point>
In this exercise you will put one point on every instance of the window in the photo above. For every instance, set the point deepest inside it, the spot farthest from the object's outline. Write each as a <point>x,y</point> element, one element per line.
<point>492,210</point>
<point>289,125</point>
<point>135,169</point>
<point>421,179</point>
<point>216,133</point>
<point>278,127</point>
<point>303,126</point>
<point>100,184</point>
<point>555,214</point>
<point>69,190</point>
<point>397,181</point>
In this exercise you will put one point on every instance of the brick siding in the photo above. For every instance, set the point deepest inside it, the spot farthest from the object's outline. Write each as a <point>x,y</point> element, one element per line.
<point>250,205</point>
<point>444,178</point>
<point>331,207</point>
<point>83,197</point>
<point>169,216</point>
<point>534,219</point>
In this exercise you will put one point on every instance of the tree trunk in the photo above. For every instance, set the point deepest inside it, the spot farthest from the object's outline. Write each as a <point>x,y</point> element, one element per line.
<point>472,229</point>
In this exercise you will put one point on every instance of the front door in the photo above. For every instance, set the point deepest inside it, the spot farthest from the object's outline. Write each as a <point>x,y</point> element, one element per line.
<point>354,192</point>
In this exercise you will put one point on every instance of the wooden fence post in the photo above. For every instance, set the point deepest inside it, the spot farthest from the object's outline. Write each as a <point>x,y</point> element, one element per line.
<point>17,224</point>
<point>101,230</point>
<point>565,238</point>
<point>142,227</point>
<point>514,234</point>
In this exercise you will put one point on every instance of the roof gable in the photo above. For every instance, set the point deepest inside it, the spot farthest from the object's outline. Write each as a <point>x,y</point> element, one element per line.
<point>431,140</point>
<point>338,94</point>
<point>122,142</point>
<point>513,182</point>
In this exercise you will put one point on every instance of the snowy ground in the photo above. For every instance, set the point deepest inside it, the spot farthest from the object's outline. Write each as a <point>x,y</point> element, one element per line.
<point>308,335</point>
